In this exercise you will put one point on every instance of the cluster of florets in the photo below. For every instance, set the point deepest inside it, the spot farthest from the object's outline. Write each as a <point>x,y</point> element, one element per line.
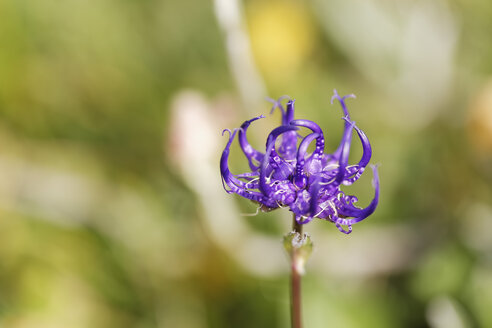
<point>286,175</point>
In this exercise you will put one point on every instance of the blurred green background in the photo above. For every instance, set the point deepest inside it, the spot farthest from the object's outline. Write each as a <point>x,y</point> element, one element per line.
<point>111,209</point>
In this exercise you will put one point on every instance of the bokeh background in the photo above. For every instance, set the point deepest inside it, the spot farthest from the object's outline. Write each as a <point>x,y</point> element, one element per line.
<point>112,213</point>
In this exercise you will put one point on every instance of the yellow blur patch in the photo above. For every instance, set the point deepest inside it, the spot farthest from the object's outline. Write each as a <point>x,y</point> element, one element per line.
<point>282,36</point>
<point>480,121</point>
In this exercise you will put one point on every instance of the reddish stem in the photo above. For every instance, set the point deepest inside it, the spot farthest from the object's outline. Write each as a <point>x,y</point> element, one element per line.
<point>295,287</point>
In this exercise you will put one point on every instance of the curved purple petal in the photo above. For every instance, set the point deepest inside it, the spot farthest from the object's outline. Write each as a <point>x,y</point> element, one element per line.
<point>315,193</point>
<point>305,220</point>
<point>343,160</point>
<point>300,178</point>
<point>346,113</point>
<point>250,153</point>
<point>340,228</point>
<point>278,103</point>
<point>353,173</point>
<point>342,101</point>
<point>270,147</point>
<point>237,186</point>
<point>307,124</point>
<point>279,163</point>
<point>360,214</point>
<point>366,145</point>
<point>289,113</point>
<point>320,141</point>
<point>288,144</point>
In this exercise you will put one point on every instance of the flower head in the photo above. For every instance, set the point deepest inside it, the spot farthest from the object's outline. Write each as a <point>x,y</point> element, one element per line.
<point>286,175</point>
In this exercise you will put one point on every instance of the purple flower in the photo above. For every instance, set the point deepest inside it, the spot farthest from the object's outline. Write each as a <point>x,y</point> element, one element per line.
<point>286,175</point>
